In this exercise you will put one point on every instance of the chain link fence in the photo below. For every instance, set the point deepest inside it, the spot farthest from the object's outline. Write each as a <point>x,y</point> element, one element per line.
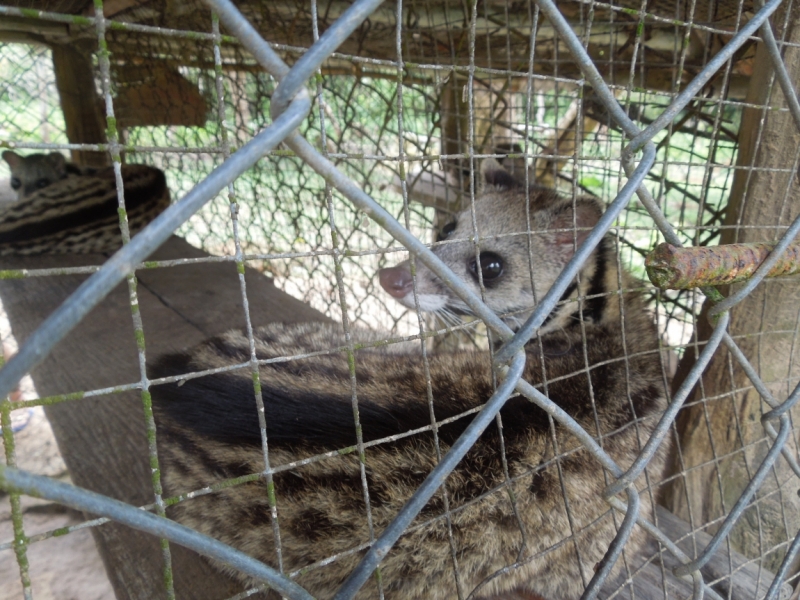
<point>371,139</point>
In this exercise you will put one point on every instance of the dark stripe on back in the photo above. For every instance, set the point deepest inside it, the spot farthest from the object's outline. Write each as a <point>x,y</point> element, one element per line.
<point>595,307</point>
<point>565,296</point>
<point>33,209</point>
<point>136,195</point>
<point>223,407</point>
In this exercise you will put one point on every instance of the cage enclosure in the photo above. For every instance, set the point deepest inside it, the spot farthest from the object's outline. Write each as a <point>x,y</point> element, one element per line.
<point>680,116</point>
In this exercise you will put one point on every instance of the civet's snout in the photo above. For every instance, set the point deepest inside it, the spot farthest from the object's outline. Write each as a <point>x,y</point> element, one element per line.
<point>396,280</point>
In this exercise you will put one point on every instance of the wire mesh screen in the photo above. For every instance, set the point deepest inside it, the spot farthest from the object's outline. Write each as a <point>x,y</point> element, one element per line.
<point>283,213</point>
<point>679,116</point>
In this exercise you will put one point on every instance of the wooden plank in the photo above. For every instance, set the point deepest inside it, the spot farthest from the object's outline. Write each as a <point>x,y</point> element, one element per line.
<point>641,578</point>
<point>734,572</point>
<point>734,577</point>
<point>215,305</point>
<point>646,582</point>
<point>103,439</point>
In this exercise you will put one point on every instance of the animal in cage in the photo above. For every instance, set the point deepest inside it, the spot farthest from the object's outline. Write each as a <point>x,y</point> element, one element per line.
<point>37,171</point>
<point>527,495</point>
<point>78,213</point>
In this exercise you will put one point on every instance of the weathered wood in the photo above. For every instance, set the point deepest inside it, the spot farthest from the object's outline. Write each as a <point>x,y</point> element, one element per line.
<point>82,108</point>
<point>157,94</point>
<point>727,571</point>
<point>437,32</point>
<point>648,580</point>
<point>731,575</point>
<point>103,439</point>
<point>24,27</point>
<point>570,132</point>
<point>454,123</point>
<point>721,438</point>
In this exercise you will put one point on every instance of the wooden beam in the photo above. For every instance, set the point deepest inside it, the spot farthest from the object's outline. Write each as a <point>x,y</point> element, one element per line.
<point>39,27</point>
<point>82,108</point>
<point>103,439</point>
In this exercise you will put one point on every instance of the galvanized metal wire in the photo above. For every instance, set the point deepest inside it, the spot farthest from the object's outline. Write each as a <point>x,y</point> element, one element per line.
<point>290,105</point>
<point>81,499</point>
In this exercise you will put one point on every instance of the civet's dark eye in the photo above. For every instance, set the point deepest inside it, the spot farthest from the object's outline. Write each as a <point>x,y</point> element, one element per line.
<point>42,183</point>
<point>15,183</point>
<point>446,231</point>
<point>491,266</point>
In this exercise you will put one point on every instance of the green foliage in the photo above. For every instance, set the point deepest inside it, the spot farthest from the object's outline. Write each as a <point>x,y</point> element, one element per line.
<point>282,206</point>
<point>29,106</point>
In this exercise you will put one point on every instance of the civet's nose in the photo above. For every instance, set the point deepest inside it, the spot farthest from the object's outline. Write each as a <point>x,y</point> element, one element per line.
<point>396,280</point>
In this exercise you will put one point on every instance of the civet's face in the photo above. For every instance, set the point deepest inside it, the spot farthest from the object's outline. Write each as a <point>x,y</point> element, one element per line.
<point>34,172</point>
<point>524,241</point>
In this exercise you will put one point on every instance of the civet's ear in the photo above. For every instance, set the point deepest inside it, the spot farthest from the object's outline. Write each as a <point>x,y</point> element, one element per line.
<point>13,159</point>
<point>494,175</point>
<point>575,230</point>
<point>57,160</point>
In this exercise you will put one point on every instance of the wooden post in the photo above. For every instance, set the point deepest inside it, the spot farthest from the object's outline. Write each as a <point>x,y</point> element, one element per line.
<point>722,441</point>
<point>454,123</point>
<point>83,111</point>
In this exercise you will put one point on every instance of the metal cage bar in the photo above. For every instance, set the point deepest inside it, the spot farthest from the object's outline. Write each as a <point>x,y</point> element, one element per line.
<point>290,106</point>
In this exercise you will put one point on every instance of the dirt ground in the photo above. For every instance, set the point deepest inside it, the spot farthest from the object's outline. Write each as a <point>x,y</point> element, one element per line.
<point>67,567</point>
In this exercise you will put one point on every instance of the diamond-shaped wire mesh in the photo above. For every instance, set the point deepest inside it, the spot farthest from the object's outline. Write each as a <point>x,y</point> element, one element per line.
<point>406,110</point>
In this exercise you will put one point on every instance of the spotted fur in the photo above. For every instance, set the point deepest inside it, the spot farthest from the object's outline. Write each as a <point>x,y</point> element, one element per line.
<point>526,516</point>
<point>80,213</point>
